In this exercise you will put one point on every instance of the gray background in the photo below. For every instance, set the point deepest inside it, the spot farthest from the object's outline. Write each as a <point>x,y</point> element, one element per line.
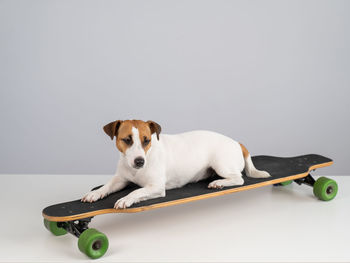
<point>273,75</point>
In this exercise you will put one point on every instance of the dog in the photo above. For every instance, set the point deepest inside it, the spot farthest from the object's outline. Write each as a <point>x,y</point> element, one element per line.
<point>159,162</point>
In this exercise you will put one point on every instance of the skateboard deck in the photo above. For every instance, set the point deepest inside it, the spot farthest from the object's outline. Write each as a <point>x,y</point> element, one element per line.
<point>281,170</point>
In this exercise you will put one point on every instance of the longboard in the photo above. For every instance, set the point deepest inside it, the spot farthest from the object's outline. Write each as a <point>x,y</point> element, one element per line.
<point>75,215</point>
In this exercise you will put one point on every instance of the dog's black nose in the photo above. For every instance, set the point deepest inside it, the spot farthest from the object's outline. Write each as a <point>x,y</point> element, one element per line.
<point>139,162</point>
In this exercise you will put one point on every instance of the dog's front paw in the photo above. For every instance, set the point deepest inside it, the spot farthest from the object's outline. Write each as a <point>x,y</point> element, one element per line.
<point>124,202</point>
<point>93,196</point>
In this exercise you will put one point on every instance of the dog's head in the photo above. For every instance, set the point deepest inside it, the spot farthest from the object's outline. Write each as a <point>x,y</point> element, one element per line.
<point>133,139</point>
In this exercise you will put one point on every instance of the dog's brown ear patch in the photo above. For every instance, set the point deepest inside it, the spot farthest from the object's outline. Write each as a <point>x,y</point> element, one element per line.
<point>155,128</point>
<point>112,128</point>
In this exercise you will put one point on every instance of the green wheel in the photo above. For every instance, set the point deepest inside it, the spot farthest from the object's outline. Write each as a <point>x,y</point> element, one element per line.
<point>325,189</point>
<point>54,228</point>
<point>286,182</point>
<point>93,243</point>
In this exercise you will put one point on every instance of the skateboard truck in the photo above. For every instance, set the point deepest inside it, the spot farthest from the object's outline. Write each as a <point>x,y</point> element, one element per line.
<point>308,180</point>
<point>76,227</point>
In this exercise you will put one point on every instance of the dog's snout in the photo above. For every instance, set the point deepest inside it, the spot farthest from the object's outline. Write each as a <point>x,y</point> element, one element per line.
<point>139,162</point>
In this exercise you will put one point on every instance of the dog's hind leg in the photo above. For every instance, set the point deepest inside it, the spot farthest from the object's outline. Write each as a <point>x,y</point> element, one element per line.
<point>230,179</point>
<point>229,166</point>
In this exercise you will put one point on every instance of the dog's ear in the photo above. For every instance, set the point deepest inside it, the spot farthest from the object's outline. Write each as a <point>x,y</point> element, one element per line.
<point>155,128</point>
<point>112,128</point>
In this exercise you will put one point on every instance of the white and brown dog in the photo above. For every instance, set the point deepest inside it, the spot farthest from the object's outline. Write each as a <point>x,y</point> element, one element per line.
<point>158,162</point>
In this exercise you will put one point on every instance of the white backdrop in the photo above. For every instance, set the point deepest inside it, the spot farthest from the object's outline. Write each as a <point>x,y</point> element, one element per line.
<point>273,75</point>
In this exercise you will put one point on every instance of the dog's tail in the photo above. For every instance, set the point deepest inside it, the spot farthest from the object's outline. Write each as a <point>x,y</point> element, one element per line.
<point>249,167</point>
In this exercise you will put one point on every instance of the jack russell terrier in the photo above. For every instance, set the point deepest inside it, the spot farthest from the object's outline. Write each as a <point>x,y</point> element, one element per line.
<point>158,162</point>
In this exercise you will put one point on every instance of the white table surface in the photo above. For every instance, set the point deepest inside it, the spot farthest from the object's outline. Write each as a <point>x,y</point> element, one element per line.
<point>268,224</point>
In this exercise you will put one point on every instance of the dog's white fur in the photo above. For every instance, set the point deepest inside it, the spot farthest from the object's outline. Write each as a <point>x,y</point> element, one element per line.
<point>176,160</point>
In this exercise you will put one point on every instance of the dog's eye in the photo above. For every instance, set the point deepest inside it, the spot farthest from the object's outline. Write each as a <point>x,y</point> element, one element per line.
<point>145,141</point>
<point>127,140</point>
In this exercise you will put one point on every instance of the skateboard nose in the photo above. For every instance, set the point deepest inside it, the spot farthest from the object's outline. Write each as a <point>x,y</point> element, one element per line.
<point>139,162</point>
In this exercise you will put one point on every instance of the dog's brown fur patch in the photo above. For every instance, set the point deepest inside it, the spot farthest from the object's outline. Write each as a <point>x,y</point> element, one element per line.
<point>125,130</point>
<point>244,151</point>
